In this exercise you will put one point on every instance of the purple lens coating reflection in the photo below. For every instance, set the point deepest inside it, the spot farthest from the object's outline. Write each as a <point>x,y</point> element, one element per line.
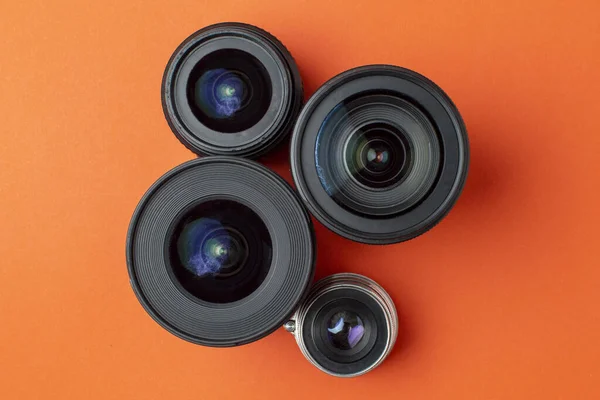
<point>346,329</point>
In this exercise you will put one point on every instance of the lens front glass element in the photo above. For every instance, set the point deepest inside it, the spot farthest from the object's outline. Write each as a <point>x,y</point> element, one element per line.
<point>220,251</point>
<point>229,90</point>
<point>376,156</point>
<point>345,330</point>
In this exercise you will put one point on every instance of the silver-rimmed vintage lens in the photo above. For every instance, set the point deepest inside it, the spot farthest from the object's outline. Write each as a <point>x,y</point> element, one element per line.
<point>347,325</point>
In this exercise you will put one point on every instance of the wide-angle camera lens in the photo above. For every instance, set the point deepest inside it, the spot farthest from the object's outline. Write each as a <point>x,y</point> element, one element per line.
<point>347,325</point>
<point>220,251</point>
<point>379,154</point>
<point>231,89</point>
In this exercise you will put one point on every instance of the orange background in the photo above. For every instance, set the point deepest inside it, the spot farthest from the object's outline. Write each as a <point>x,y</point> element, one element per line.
<point>500,301</point>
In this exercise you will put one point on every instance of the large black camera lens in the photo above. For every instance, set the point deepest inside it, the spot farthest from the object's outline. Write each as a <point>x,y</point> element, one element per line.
<point>220,251</point>
<point>379,154</point>
<point>231,89</point>
<point>347,326</point>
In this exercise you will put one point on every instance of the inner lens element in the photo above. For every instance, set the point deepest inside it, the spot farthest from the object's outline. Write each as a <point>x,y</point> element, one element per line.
<point>229,90</point>
<point>221,93</point>
<point>345,330</point>
<point>220,251</point>
<point>205,247</point>
<point>377,155</point>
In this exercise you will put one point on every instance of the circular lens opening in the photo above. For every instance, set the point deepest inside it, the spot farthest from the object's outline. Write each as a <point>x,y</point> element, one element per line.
<point>220,251</point>
<point>345,330</point>
<point>229,90</point>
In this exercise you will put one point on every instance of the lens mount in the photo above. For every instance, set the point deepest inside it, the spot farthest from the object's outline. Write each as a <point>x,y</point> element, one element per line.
<point>379,154</point>
<point>231,89</point>
<point>346,326</point>
<point>220,251</point>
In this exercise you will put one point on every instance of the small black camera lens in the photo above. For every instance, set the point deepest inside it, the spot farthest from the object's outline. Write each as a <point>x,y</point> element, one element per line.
<point>231,89</point>
<point>379,154</point>
<point>220,251</point>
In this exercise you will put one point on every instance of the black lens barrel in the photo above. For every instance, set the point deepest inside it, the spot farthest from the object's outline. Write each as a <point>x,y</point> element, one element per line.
<point>192,315</point>
<point>231,89</point>
<point>404,120</point>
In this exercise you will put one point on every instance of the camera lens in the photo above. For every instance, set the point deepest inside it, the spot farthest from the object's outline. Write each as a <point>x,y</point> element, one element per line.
<point>220,251</point>
<point>379,154</point>
<point>347,326</point>
<point>231,89</point>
